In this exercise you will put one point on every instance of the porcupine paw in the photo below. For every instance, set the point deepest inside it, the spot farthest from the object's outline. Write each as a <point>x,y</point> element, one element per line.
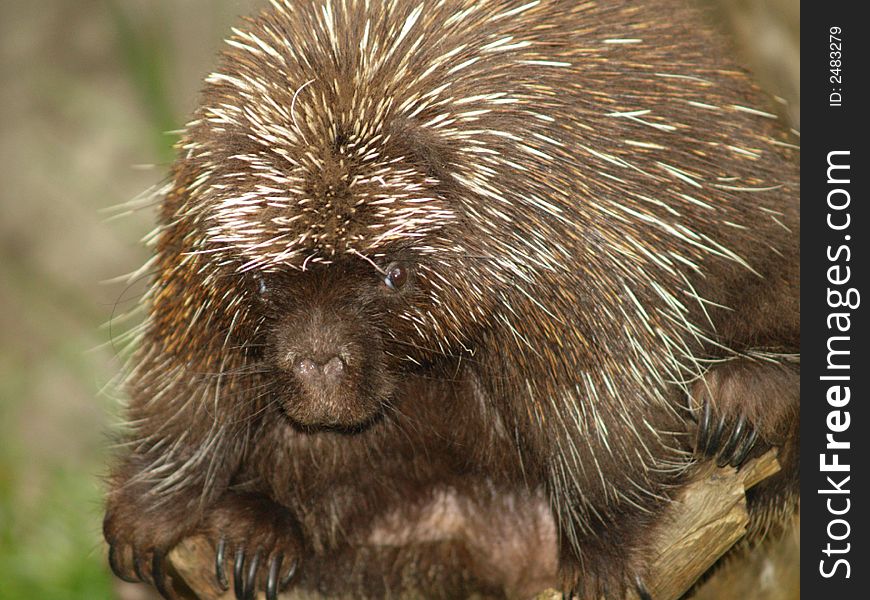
<point>639,588</point>
<point>138,546</point>
<point>742,404</point>
<point>591,583</point>
<point>727,438</point>
<point>257,544</point>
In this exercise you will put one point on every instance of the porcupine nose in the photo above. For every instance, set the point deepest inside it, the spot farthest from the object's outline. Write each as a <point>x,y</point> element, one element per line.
<point>316,371</point>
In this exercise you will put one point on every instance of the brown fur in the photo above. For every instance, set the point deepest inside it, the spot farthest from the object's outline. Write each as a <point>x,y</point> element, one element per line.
<point>602,236</point>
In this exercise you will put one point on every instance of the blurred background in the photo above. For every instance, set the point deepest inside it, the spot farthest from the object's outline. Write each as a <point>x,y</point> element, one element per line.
<point>89,91</point>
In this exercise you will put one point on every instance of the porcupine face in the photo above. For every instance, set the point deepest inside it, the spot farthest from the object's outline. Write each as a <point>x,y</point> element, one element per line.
<point>343,311</point>
<point>308,180</point>
<point>327,331</point>
<point>346,251</point>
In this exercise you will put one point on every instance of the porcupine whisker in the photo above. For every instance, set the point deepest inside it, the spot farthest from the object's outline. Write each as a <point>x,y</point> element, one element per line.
<point>404,422</point>
<point>429,350</point>
<point>258,368</point>
<point>247,346</point>
<point>273,401</point>
<point>500,376</point>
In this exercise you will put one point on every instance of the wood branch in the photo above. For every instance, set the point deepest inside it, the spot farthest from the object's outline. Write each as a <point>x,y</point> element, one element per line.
<point>707,518</point>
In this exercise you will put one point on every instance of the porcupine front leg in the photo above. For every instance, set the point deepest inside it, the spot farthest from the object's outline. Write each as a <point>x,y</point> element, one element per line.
<point>606,500</point>
<point>160,490</point>
<point>256,538</point>
<point>608,559</point>
<point>747,406</point>
<point>256,541</point>
<point>144,520</point>
<point>743,404</point>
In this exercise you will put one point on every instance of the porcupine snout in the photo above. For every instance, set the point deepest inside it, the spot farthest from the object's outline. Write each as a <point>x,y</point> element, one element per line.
<point>316,349</point>
<point>319,370</point>
<point>318,354</point>
<point>332,366</point>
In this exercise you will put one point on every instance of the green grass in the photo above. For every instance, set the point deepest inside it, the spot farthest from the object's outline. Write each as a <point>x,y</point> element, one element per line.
<point>146,50</point>
<point>50,491</point>
<point>53,421</point>
<point>47,547</point>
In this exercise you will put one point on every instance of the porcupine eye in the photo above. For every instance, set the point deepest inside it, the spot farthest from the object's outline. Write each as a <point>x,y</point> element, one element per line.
<point>260,284</point>
<point>397,276</point>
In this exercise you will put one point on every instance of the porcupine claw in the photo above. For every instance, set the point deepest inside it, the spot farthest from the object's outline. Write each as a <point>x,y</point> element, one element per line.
<point>251,581</point>
<point>238,574</point>
<point>642,592</point>
<point>137,568</point>
<point>290,573</point>
<point>703,424</point>
<point>245,584</point>
<point>727,452</point>
<point>736,446</point>
<point>707,439</point>
<point>272,581</point>
<point>158,574</point>
<point>116,566</point>
<point>219,571</point>
<point>743,451</point>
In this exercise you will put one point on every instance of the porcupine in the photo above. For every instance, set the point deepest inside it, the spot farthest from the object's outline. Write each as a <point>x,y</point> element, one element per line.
<point>449,296</point>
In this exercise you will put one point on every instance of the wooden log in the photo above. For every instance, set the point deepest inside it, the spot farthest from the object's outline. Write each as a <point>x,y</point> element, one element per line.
<point>706,519</point>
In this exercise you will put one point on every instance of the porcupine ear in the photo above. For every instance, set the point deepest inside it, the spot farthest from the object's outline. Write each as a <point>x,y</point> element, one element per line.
<point>423,149</point>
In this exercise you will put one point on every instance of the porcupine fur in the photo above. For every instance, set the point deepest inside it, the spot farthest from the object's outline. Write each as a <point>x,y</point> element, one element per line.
<point>598,227</point>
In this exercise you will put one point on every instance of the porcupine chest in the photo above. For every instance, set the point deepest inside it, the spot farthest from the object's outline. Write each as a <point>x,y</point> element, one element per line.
<point>439,474</point>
